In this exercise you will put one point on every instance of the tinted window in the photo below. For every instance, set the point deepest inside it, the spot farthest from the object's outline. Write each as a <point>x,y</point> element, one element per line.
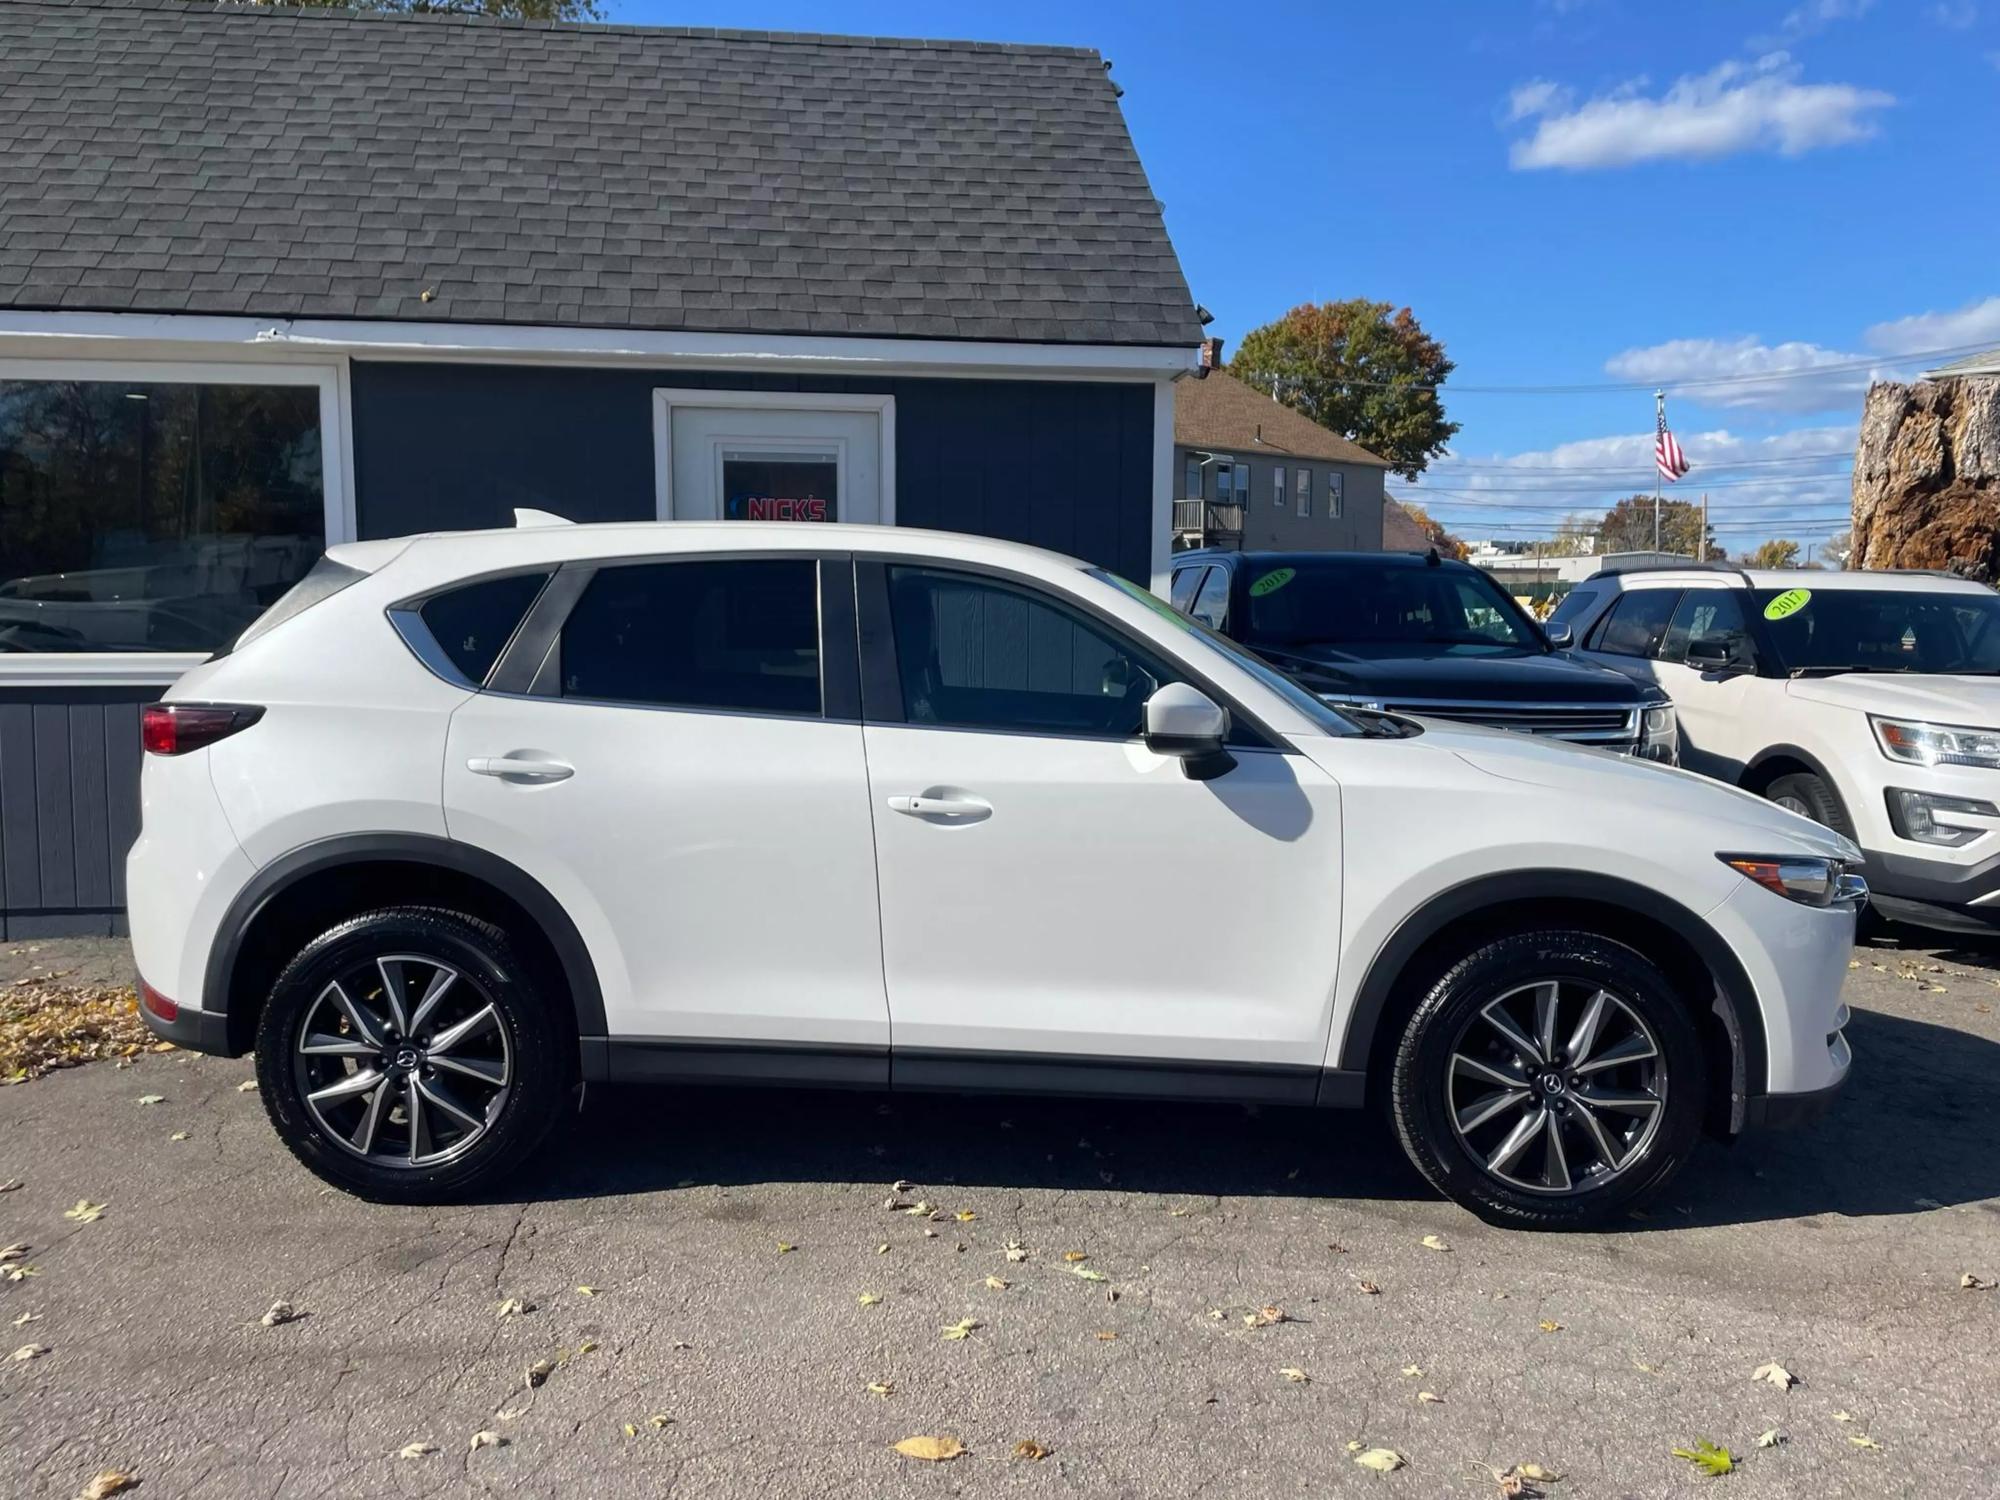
<point>1362,602</point>
<point>741,635</point>
<point>980,653</point>
<point>1574,606</point>
<point>1881,630</point>
<point>1211,605</point>
<point>1637,622</point>
<point>473,624</point>
<point>1711,615</point>
<point>1185,583</point>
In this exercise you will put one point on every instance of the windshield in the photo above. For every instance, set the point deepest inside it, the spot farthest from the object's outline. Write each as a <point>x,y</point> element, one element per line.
<point>1379,609</point>
<point>1882,630</point>
<point>1324,716</point>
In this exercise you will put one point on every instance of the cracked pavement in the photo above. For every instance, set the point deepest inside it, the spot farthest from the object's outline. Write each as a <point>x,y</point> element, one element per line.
<point>1836,1252</point>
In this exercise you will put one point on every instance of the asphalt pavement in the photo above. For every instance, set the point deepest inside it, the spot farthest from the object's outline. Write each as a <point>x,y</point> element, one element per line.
<point>767,1315</point>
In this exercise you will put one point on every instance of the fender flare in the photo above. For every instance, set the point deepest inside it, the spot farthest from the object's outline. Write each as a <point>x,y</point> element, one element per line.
<point>1787,752</point>
<point>284,872</point>
<point>1741,1013</point>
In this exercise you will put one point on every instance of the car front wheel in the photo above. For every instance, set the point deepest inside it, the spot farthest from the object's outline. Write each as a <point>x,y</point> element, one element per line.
<point>405,1055</point>
<point>1551,1078</point>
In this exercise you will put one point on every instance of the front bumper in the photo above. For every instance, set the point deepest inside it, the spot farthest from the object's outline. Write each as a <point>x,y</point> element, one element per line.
<point>1936,892</point>
<point>1789,1111</point>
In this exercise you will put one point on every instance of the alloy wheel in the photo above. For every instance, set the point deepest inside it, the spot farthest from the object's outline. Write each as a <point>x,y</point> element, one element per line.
<point>1556,1087</point>
<point>403,1061</point>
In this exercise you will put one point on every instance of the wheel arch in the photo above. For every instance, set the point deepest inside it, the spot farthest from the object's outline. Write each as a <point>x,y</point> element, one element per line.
<point>1790,760</point>
<point>1444,928</point>
<point>327,879</point>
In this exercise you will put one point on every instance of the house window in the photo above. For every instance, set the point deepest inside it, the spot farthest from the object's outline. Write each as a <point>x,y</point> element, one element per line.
<point>1240,480</point>
<point>1302,482</point>
<point>1278,486</point>
<point>1335,502</point>
<point>146,515</point>
<point>1191,480</point>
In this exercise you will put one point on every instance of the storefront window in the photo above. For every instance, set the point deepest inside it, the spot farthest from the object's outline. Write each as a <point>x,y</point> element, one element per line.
<point>152,517</point>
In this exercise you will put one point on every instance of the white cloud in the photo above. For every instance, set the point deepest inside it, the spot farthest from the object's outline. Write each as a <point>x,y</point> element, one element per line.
<point>1975,323</point>
<point>1817,15</point>
<point>1812,378</point>
<point>1955,15</point>
<point>1732,108</point>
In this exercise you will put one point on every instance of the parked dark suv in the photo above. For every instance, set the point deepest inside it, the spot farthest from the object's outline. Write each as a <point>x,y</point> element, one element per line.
<point>1412,633</point>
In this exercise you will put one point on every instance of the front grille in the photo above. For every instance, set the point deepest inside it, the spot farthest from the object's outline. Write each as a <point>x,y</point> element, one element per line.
<point>1586,723</point>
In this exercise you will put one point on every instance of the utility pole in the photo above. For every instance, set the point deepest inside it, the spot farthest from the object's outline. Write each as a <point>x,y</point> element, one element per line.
<point>1701,550</point>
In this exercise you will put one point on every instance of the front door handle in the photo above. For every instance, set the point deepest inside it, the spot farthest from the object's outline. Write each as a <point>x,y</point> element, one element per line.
<point>525,768</point>
<point>959,809</point>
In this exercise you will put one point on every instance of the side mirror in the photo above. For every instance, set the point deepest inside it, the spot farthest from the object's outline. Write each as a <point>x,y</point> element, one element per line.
<point>1183,721</point>
<point>1559,636</point>
<point>1710,654</point>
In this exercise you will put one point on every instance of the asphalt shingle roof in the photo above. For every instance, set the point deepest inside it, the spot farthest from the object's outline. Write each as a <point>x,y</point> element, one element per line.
<point>1220,411</point>
<point>163,157</point>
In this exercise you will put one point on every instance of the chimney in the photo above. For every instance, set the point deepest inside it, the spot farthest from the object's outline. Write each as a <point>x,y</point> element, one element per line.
<point>1211,355</point>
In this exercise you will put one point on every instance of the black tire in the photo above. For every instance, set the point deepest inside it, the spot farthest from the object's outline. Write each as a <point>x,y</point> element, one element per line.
<point>523,1040</point>
<point>1431,1091</point>
<point>1818,800</point>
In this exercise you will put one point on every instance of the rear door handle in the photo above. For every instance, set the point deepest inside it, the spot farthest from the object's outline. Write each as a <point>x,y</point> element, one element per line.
<point>942,809</point>
<point>519,768</point>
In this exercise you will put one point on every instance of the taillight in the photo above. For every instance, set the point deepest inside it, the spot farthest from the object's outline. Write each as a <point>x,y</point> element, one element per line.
<point>157,1003</point>
<point>176,728</point>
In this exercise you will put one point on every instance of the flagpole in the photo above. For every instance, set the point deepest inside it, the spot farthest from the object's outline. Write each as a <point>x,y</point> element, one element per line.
<point>1659,425</point>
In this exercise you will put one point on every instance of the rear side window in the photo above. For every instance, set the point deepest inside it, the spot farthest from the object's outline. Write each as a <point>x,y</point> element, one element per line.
<point>737,635</point>
<point>325,579</point>
<point>473,624</point>
<point>1637,623</point>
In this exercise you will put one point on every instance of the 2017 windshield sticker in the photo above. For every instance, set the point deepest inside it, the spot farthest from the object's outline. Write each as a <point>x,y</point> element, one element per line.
<point>1272,581</point>
<point>1788,603</point>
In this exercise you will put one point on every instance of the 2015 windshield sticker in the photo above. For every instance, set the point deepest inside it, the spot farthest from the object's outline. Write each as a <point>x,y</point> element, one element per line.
<point>1788,603</point>
<point>1272,581</point>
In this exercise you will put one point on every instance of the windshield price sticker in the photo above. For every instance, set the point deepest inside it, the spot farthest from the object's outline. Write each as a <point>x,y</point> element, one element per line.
<point>1788,603</point>
<point>1272,581</point>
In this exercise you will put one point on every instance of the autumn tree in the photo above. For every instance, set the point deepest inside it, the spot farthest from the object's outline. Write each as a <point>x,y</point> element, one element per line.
<point>1365,370</point>
<point>1446,544</point>
<point>510,10</point>
<point>1628,527</point>
<point>1776,553</point>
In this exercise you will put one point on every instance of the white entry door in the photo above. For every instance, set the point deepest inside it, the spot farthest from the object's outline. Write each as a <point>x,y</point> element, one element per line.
<point>774,456</point>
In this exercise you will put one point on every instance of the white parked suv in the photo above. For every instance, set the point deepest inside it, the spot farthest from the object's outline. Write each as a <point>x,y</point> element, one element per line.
<point>1868,701</point>
<point>468,820</point>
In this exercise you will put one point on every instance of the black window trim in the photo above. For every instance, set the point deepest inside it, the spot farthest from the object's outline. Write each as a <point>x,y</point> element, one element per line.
<point>406,617</point>
<point>1604,621</point>
<point>528,667</point>
<point>881,676</point>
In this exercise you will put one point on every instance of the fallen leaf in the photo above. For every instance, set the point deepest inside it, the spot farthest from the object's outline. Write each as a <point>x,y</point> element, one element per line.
<point>1770,1438</point>
<point>16,1251</point>
<point>997,1284</point>
<point>965,1216</point>
<point>785,1249</point>
<point>1549,1325</point>
<point>1775,1374</point>
<point>1356,1446</point>
<point>1264,1317</point>
<point>1434,1242</point>
<point>11,1185</point>
<point>20,1273</point>
<point>487,1438</point>
<point>586,1291</point>
<point>1381,1460</point>
<point>932,1450</point>
<point>1016,1251</point>
<point>162,1047</point>
<point>586,1346</point>
<point>152,1098</point>
<point>1029,1449</point>
<point>881,1249</point>
<point>1295,1375</point>
<point>920,1210</point>
<point>881,1387</point>
<point>178,1135</point>
<point>247,1086</point>
<point>930,1234</point>
<point>1708,1458</point>
<point>1536,1473</point>
<point>109,1482</point>
<point>1106,1335</point>
<point>85,1211</point>
<point>902,1186</point>
<point>631,1429</point>
<point>1971,1283</point>
<point>1431,1398</point>
<point>280,1312</point>
<point>1369,1287</point>
<point>27,1318</point>
<point>514,1307</point>
<point>418,1449</point>
<point>962,1329</point>
<point>658,1420</point>
<point>1073,1256</point>
<point>1861,1441</point>
<point>537,1372</point>
<point>1843,1416</point>
<point>868,1299</point>
<point>1413,1371</point>
<point>27,1352</point>
<point>1088,1274</point>
<point>510,1413</point>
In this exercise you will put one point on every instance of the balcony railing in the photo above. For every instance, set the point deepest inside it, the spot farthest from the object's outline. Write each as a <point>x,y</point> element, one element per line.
<point>1208,518</point>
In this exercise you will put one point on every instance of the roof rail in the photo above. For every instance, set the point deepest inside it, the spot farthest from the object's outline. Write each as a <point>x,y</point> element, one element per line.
<point>1690,566</point>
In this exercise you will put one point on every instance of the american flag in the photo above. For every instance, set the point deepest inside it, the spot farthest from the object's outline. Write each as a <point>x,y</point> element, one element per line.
<point>1667,455</point>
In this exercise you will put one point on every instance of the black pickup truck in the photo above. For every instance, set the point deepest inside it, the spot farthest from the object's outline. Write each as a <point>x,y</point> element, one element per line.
<point>1412,633</point>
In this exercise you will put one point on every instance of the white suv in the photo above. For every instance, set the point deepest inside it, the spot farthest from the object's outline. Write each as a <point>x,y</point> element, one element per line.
<point>468,820</point>
<point>1868,701</point>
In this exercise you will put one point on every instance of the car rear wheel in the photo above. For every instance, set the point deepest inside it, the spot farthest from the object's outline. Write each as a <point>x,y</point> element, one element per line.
<point>406,1056</point>
<point>1551,1079</point>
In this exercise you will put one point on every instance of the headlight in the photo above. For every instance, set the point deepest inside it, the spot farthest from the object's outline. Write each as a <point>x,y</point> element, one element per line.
<point>1804,878</point>
<point>1660,737</point>
<point>1920,744</point>
<point>1659,720</point>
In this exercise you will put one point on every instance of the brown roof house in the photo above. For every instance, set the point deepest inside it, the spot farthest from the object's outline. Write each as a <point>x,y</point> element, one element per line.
<point>1254,475</point>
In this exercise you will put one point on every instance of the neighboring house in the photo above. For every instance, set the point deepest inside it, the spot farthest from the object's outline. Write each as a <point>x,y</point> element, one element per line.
<point>274,279</point>
<point>1253,474</point>
<point>1987,363</point>
<point>1400,531</point>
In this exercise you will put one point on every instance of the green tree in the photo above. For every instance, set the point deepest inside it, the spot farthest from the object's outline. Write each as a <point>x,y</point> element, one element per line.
<point>1628,527</point>
<point>512,10</point>
<point>1365,370</point>
<point>1776,553</point>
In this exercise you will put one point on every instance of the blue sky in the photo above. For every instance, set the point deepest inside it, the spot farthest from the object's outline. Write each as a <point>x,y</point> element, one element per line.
<point>1571,193</point>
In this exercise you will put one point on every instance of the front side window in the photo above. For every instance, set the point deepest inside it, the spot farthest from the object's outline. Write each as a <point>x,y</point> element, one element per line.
<point>1637,623</point>
<point>152,516</point>
<point>1708,616</point>
<point>1211,605</point>
<point>1186,581</point>
<point>982,653</point>
<point>1302,484</point>
<point>1881,630</point>
<point>739,635</point>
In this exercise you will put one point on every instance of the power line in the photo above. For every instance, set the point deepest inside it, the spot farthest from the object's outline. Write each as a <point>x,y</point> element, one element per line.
<point>1609,485</point>
<point>1638,466</point>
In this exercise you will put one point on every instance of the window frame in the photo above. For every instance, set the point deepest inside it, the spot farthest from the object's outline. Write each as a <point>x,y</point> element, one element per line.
<point>1336,495</point>
<point>1215,573</point>
<point>1302,491</point>
<point>1194,482</point>
<point>1596,642</point>
<point>1278,485</point>
<point>330,377</point>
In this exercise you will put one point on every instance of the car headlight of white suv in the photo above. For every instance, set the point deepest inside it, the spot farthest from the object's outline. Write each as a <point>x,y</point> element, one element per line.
<point>1916,743</point>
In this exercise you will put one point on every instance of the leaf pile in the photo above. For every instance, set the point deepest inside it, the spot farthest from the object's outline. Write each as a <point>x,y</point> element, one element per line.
<point>46,1025</point>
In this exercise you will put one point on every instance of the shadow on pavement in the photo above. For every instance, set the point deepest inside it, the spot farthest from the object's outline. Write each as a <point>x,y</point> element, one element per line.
<point>1915,1122</point>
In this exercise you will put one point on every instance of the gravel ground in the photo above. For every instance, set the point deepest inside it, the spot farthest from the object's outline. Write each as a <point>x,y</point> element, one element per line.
<point>729,1348</point>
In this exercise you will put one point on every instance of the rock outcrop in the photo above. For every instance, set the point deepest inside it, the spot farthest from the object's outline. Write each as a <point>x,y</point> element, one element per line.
<point>1927,477</point>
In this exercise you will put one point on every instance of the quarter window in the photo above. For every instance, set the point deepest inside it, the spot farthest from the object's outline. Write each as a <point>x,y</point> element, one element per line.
<point>1186,581</point>
<point>739,635</point>
<point>473,623</point>
<point>981,653</point>
<point>1637,623</point>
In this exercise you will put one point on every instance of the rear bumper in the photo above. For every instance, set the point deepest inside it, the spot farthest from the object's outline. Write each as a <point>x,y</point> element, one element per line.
<point>196,1030</point>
